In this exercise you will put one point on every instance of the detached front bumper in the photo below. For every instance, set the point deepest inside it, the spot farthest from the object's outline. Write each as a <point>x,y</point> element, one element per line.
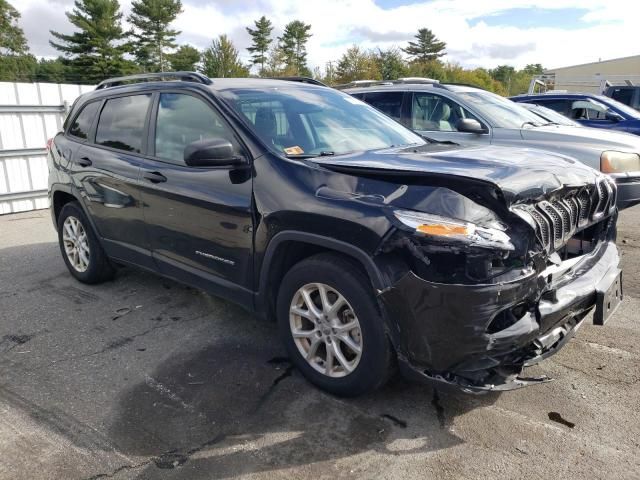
<point>479,337</point>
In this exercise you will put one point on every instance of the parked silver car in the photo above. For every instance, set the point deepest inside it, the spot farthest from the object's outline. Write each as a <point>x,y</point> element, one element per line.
<point>469,115</point>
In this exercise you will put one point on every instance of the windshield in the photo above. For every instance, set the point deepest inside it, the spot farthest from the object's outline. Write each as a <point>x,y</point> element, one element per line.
<point>550,115</point>
<point>499,111</point>
<point>627,110</point>
<point>301,121</point>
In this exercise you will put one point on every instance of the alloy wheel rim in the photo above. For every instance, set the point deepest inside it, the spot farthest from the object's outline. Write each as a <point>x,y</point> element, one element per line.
<point>326,330</point>
<point>76,243</point>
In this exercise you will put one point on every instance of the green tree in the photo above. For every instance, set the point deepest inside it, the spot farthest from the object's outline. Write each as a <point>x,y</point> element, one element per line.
<point>53,70</point>
<point>17,68</point>
<point>274,66</point>
<point>12,39</point>
<point>151,20</point>
<point>96,49</point>
<point>391,64</point>
<point>184,59</point>
<point>293,44</point>
<point>357,64</point>
<point>533,69</point>
<point>220,60</point>
<point>16,63</point>
<point>261,39</point>
<point>426,48</point>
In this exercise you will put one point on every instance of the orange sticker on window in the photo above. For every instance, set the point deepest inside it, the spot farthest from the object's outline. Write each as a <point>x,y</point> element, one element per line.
<point>293,150</point>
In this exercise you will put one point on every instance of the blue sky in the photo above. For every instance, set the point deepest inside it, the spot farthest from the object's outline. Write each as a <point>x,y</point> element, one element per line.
<point>483,33</point>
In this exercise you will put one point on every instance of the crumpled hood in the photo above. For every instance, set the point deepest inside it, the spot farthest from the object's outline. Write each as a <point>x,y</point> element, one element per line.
<point>520,173</point>
<point>598,138</point>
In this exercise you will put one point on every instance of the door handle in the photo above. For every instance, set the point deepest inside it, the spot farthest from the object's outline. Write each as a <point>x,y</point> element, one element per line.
<point>84,162</point>
<point>154,177</point>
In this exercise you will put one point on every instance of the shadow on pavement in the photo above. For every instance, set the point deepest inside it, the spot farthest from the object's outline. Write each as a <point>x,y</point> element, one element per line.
<point>231,409</point>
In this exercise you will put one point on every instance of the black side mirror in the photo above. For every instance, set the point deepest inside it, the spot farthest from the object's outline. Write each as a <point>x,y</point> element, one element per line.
<point>613,116</point>
<point>211,152</point>
<point>470,125</point>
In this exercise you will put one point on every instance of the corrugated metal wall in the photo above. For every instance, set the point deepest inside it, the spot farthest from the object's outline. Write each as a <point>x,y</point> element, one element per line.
<point>30,113</point>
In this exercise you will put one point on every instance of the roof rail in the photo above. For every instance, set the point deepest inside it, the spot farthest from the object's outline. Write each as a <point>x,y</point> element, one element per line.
<point>150,77</point>
<point>375,83</point>
<point>417,80</point>
<point>363,83</point>
<point>309,80</point>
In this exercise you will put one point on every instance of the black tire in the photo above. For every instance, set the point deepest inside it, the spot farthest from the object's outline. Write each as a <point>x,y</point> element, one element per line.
<point>377,360</point>
<point>99,268</point>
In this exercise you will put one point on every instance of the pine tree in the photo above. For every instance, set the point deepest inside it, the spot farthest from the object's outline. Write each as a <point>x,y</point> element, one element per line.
<point>12,39</point>
<point>261,36</point>
<point>151,19</point>
<point>220,60</point>
<point>96,50</point>
<point>427,47</point>
<point>293,44</point>
<point>184,59</point>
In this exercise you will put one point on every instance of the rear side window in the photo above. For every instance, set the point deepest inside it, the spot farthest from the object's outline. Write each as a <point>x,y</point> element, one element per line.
<point>121,123</point>
<point>623,95</point>
<point>559,105</point>
<point>387,102</point>
<point>83,121</point>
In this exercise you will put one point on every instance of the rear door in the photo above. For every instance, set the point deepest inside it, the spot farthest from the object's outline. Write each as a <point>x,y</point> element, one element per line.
<point>106,170</point>
<point>199,219</point>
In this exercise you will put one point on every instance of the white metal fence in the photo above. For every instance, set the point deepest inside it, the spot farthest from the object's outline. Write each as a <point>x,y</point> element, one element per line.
<point>30,113</point>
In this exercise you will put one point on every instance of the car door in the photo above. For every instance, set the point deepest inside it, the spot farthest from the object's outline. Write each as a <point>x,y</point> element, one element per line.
<point>436,116</point>
<point>106,168</point>
<point>199,219</point>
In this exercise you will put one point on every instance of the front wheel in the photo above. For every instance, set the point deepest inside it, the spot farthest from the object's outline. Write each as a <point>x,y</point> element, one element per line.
<point>331,326</point>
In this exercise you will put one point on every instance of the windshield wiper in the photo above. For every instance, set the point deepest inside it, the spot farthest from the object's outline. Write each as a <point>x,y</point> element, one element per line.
<point>433,140</point>
<point>310,155</point>
<point>533,124</point>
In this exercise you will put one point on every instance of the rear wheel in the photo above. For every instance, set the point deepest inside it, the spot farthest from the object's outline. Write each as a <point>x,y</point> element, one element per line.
<point>81,251</point>
<point>331,326</point>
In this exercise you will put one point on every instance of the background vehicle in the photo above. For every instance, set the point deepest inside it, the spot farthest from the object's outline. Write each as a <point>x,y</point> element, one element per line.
<point>588,109</point>
<point>550,116</point>
<point>469,115</point>
<point>627,94</point>
<point>367,244</point>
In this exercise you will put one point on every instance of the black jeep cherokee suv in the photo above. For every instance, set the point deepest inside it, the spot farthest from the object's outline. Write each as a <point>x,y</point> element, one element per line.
<point>369,245</point>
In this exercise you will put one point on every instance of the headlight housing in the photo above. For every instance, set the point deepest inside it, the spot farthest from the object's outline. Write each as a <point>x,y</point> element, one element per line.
<point>452,230</point>
<point>619,162</point>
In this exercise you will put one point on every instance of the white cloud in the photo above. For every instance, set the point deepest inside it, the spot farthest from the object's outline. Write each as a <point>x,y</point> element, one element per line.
<point>605,31</point>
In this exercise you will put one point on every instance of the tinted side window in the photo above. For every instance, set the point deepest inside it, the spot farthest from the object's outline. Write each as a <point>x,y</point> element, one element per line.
<point>623,95</point>
<point>82,123</point>
<point>183,119</point>
<point>559,106</point>
<point>436,113</point>
<point>121,123</point>
<point>387,102</point>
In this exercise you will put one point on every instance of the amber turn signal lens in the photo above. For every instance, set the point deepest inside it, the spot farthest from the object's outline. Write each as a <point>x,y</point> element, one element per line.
<point>443,230</point>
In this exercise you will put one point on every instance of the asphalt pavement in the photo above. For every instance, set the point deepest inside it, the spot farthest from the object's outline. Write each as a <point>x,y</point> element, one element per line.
<point>146,378</point>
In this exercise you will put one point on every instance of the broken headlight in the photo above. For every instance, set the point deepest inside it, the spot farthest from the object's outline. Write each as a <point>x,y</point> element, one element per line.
<point>453,230</point>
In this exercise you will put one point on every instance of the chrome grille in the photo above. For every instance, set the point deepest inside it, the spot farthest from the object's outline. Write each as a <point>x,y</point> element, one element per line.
<point>559,219</point>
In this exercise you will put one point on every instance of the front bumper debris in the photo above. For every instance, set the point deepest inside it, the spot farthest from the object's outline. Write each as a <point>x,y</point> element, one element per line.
<point>442,331</point>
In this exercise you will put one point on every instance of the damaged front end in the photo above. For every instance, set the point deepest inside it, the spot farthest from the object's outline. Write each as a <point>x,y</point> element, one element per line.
<point>484,287</point>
